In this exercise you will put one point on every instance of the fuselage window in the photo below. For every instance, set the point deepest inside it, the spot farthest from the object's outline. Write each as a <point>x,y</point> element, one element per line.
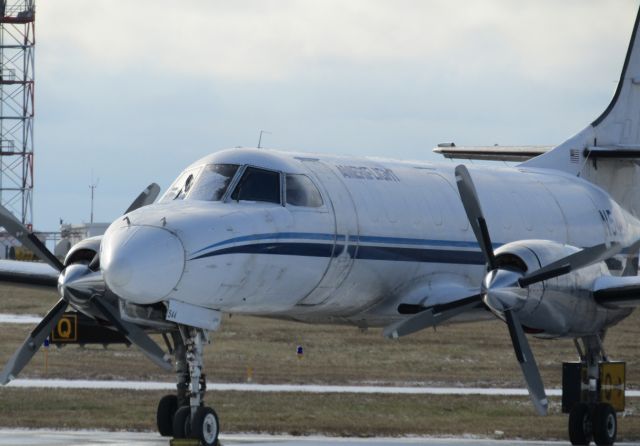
<point>302,192</point>
<point>258,185</point>
<point>212,182</point>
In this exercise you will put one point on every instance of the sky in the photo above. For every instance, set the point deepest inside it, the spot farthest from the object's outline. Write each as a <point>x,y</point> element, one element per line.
<point>130,92</point>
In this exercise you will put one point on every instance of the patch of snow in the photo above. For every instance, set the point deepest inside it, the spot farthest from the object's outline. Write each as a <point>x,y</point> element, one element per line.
<point>287,388</point>
<point>7,318</point>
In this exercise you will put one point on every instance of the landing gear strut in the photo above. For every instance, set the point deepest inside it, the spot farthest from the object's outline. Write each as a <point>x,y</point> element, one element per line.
<point>592,393</point>
<point>184,415</point>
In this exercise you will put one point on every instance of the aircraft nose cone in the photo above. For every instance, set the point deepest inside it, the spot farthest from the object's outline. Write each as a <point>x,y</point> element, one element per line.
<point>141,264</point>
<point>502,291</point>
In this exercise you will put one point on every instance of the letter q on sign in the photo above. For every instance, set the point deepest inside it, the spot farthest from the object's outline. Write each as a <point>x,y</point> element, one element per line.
<point>66,330</point>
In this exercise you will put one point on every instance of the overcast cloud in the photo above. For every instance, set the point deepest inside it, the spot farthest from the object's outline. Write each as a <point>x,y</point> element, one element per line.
<point>136,90</point>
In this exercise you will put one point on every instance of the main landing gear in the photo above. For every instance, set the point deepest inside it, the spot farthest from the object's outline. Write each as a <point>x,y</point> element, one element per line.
<point>184,415</point>
<point>593,390</point>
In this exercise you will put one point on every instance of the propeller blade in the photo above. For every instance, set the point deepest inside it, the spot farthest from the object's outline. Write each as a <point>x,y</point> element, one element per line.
<point>471,204</point>
<point>431,317</point>
<point>527,363</point>
<point>33,342</point>
<point>134,334</point>
<point>29,240</point>
<point>146,197</point>
<point>577,260</point>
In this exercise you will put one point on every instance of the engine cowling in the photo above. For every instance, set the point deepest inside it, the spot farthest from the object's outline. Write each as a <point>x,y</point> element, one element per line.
<point>553,307</point>
<point>84,251</point>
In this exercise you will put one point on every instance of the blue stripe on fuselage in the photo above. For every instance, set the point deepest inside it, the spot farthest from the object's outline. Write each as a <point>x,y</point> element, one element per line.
<point>342,238</point>
<point>418,241</point>
<point>276,236</point>
<point>359,251</point>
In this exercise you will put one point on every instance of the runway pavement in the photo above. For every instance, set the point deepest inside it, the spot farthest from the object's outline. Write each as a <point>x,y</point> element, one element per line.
<point>45,437</point>
<point>41,437</point>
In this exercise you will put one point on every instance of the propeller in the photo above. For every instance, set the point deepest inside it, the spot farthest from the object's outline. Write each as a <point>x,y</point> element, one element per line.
<point>431,316</point>
<point>27,239</point>
<point>81,287</point>
<point>476,219</point>
<point>23,355</point>
<point>146,197</point>
<point>580,259</point>
<point>504,288</point>
<point>521,347</point>
<point>527,362</point>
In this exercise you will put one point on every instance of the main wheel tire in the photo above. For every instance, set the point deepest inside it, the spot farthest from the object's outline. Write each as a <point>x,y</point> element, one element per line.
<point>182,422</point>
<point>605,425</point>
<point>167,408</point>
<point>580,425</point>
<point>205,426</point>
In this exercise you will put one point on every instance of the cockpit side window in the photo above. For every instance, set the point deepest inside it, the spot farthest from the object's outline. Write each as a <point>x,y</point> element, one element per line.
<point>258,185</point>
<point>212,182</point>
<point>302,192</point>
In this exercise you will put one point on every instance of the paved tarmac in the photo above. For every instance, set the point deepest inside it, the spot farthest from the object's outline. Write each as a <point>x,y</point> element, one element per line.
<point>43,437</point>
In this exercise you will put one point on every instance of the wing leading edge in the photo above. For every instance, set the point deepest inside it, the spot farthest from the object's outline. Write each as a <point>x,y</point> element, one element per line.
<point>617,292</point>
<point>28,273</point>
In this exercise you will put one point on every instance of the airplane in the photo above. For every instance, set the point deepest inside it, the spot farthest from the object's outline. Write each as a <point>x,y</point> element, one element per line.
<point>549,246</point>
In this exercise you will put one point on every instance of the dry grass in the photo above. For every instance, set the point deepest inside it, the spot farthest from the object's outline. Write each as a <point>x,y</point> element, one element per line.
<point>477,354</point>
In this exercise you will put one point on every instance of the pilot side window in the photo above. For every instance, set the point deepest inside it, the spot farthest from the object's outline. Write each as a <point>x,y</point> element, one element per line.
<point>258,185</point>
<point>302,192</point>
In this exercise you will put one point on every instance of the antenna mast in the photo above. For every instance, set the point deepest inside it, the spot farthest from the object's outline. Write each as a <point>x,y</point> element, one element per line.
<point>260,138</point>
<point>93,186</point>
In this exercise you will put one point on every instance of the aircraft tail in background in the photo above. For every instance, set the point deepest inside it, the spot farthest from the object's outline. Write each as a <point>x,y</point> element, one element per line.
<point>607,151</point>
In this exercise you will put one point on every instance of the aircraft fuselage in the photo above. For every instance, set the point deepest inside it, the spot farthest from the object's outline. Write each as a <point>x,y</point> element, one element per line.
<point>385,233</point>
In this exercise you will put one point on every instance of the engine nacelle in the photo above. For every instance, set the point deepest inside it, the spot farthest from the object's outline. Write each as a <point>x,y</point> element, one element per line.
<point>559,306</point>
<point>83,251</point>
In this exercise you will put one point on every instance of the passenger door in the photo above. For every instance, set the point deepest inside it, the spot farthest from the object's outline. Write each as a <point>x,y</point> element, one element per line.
<point>342,208</point>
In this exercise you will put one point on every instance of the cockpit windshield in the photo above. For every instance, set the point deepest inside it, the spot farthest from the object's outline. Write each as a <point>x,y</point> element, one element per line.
<point>213,182</point>
<point>207,183</point>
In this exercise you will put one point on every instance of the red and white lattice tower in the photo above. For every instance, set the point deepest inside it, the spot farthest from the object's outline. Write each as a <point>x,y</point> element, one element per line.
<point>17,45</point>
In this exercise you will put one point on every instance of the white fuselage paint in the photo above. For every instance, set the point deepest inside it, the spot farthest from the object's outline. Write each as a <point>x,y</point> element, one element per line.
<point>389,232</point>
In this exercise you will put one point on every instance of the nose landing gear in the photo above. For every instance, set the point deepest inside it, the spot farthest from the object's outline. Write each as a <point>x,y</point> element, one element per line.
<point>184,415</point>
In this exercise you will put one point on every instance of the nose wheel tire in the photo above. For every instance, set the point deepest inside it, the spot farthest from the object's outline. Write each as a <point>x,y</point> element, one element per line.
<point>580,425</point>
<point>167,408</point>
<point>605,425</point>
<point>182,423</point>
<point>205,426</point>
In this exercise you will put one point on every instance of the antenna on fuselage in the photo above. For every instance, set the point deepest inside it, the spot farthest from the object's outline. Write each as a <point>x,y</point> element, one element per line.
<point>260,138</point>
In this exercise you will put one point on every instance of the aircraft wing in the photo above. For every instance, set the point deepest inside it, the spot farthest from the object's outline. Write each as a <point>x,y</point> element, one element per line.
<point>491,153</point>
<point>617,292</point>
<point>28,273</point>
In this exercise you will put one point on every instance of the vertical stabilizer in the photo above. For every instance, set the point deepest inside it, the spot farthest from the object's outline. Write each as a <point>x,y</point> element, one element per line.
<point>607,151</point>
<point>617,129</point>
<point>619,124</point>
